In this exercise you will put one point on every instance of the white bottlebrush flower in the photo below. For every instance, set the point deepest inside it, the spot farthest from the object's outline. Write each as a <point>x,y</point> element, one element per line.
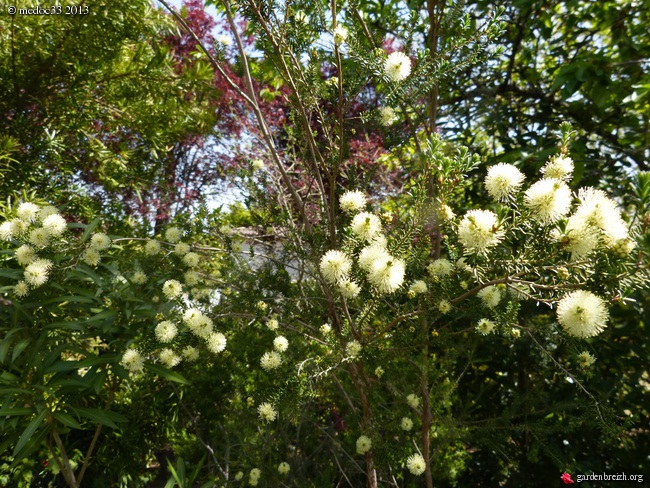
<point>191,278</point>
<point>406,424</point>
<point>549,200</point>
<point>284,468</point>
<point>444,306</point>
<point>348,288</point>
<point>485,326</point>
<point>254,477</point>
<point>585,359</point>
<point>325,329</point>
<point>444,213</point>
<point>272,324</point>
<point>166,331</point>
<point>139,278</point>
<point>413,400</point>
<point>270,360</point>
<point>490,296</point>
<point>181,249</point>
<point>340,34</point>
<point>190,354</point>
<point>55,224</point>
<point>152,247</point>
<point>91,256</point>
<point>366,226</point>
<point>45,212</point>
<point>27,211</point>
<point>582,314</point>
<point>503,180</point>
<point>387,116</point>
<point>440,268</point>
<point>267,412</point>
<point>352,201</point>
<point>100,241</point>
<point>353,349</point>
<point>37,272</point>
<point>387,274</point>
<point>416,465</point>
<point>132,361</point>
<point>25,254</point>
<point>479,230</point>
<point>335,266</point>
<point>6,231</point>
<point>191,259</point>
<point>371,254</point>
<point>364,444</point>
<point>397,66</point>
<point>600,211</point>
<point>280,343</point>
<point>261,306</point>
<point>418,287</point>
<point>579,238</point>
<point>19,227</point>
<point>379,371</point>
<point>21,289</point>
<point>224,40</point>
<point>173,235</point>
<point>39,237</point>
<point>216,342</point>
<point>169,358</point>
<point>201,326</point>
<point>172,289</point>
<point>558,167</point>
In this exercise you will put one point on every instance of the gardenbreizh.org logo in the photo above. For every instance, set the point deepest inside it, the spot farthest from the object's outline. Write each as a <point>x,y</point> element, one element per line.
<point>566,477</point>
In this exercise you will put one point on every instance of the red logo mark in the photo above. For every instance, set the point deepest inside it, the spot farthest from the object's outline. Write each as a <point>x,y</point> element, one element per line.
<point>566,477</point>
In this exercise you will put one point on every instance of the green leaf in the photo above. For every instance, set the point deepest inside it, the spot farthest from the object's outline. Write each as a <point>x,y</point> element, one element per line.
<point>89,228</point>
<point>29,432</point>
<point>104,417</point>
<point>11,412</point>
<point>166,373</point>
<point>19,348</point>
<point>67,420</point>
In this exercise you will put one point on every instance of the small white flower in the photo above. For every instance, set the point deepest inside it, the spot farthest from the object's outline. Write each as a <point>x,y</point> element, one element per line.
<point>132,360</point>
<point>490,295</point>
<point>379,371</point>
<point>387,274</point>
<point>91,256</point>
<point>549,199</point>
<point>366,226</point>
<point>6,231</point>
<point>152,247</point>
<point>267,413</point>
<point>191,259</point>
<point>181,249</point>
<point>284,468</point>
<point>55,224</point>
<point>190,354</point>
<point>418,287</point>
<point>37,272</point>
<point>340,34</point>
<point>558,167</point>
<point>139,278</point>
<point>254,477</point>
<point>440,267</point>
<point>191,278</point>
<point>216,342</point>
<point>224,40</point>
<point>445,213</point>
<point>45,212</point>
<point>397,66</point>
<point>19,227</point>
<point>27,211</point>
<point>348,288</point>
<point>25,254</point>
<point>387,116</point>
<point>100,241</point>
<point>335,265</point>
<point>21,289</point>
<point>479,230</point>
<point>325,329</point>
<point>601,212</point>
<point>352,201</point>
<point>416,465</point>
<point>579,237</point>
<point>413,400</point>
<point>169,358</point>
<point>503,180</point>
<point>280,343</point>
<point>582,314</point>
<point>172,289</point>
<point>353,349</point>
<point>406,424</point>
<point>485,326</point>
<point>261,306</point>
<point>364,444</point>
<point>173,235</point>
<point>444,306</point>
<point>166,331</point>
<point>270,360</point>
<point>585,359</point>
<point>371,254</point>
<point>40,237</point>
<point>272,324</point>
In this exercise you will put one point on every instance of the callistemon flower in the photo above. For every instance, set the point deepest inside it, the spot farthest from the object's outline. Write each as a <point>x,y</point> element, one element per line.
<point>335,266</point>
<point>267,413</point>
<point>600,211</point>
<point>579,238</point>
<point>549,200</point>
<point>366,226</point>
<point>490,295</point>
<point>479,230</point>
<point>27,211</point>
<point>582,314</point>
<point>558,167</point>
<point>416,465</point>
<point>397,66</point>
<point>364,444</point>
<point>387,274</point>
<point>503,180</point>
<point>352,201</point>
